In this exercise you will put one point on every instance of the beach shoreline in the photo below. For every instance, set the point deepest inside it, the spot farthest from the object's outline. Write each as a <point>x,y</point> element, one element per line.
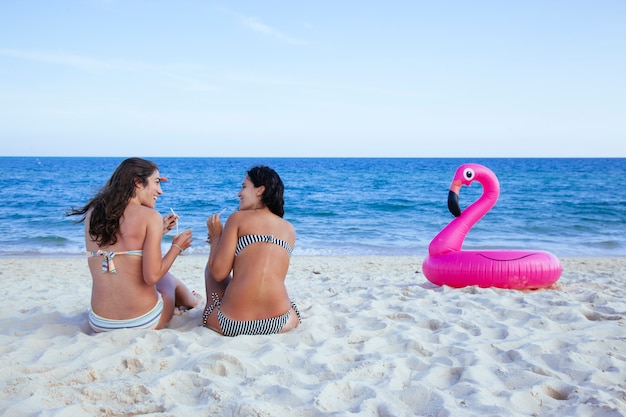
<point>377,338</point>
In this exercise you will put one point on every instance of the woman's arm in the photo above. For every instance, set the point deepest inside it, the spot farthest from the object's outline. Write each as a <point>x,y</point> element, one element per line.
<point>154,265</point>
<point>223,243</point>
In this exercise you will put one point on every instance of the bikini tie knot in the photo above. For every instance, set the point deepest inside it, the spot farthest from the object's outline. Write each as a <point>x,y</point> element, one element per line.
<point>107,262</point>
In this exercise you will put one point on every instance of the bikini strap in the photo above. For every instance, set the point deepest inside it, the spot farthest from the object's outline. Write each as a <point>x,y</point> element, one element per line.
<point>209,309</point>
<point>246,240</point>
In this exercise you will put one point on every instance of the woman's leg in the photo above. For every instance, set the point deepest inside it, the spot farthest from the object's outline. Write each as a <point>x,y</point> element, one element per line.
<point>175,294</point>
<point>292,323</point>
<point>167,287</point>
<point>185,297</point>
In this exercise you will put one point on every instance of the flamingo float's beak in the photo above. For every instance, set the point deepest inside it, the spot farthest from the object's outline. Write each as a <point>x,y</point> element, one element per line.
<point>453,198</point>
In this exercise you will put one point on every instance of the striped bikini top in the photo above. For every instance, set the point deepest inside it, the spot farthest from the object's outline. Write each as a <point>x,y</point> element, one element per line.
<point>107,262</point>
<point>244,241</point>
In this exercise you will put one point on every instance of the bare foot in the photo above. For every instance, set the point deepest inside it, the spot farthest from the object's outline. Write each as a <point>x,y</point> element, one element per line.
<point>199,299</point>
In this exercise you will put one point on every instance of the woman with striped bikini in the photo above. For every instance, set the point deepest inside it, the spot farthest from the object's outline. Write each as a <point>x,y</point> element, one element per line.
<point>246,270</point>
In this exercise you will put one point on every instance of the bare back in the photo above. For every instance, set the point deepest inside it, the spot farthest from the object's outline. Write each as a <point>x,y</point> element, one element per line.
<point>124,294</point>
<point>259,269</point>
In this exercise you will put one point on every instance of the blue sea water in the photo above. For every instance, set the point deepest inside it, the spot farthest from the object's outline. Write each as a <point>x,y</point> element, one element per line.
<point>339,206</point>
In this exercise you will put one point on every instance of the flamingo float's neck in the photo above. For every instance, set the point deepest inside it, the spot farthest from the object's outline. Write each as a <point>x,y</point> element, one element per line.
<point>451,237</point>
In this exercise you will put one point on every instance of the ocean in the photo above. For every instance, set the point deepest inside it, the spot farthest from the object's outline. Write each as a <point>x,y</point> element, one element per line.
<point>338,206</point>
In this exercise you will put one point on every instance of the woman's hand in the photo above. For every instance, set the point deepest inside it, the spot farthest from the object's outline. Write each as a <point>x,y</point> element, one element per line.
<point>214,225</point>
<point>183,240</point>
<point>169,222</point>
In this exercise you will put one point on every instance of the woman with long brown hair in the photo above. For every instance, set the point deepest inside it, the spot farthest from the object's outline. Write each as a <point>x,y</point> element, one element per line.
<point>131,283</point>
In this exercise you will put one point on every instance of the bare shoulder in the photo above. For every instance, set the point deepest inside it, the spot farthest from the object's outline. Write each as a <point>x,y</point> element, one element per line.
<point>288,227</point>
<point>236,218</point>
<point>237,215</point>
<point>138,213</point>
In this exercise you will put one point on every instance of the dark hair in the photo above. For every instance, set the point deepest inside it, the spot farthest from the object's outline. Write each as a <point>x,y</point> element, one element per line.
<point>274,189</point>
<point>109,203</point>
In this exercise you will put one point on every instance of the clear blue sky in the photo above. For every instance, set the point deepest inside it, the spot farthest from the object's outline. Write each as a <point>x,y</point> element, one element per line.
<point>317,78</point>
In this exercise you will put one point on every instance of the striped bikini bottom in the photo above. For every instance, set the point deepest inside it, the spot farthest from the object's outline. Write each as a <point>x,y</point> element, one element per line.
<point>232,327</point>
<point>147,321</point>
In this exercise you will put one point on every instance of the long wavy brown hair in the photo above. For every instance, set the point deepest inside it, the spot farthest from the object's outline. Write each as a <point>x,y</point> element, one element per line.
<point>109,203</point>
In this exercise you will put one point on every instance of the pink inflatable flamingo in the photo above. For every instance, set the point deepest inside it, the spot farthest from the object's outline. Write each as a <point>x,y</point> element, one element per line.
<point>447,264</point>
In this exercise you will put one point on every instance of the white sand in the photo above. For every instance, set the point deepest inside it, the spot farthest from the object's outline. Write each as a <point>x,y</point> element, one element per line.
<point>377,339</point>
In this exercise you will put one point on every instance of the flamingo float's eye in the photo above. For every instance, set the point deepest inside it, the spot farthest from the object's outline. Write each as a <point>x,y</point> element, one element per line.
<point>468,174</point>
